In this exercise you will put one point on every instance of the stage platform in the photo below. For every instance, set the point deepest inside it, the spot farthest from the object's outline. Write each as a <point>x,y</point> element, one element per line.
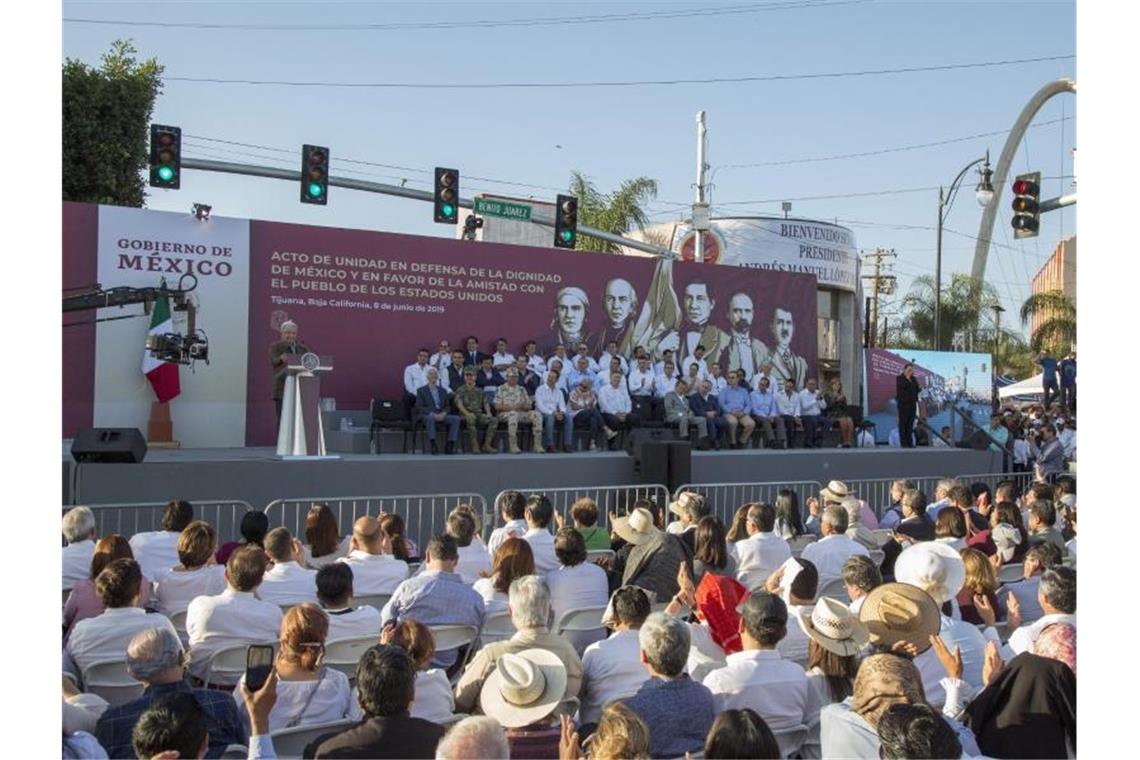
<point>256,476</point>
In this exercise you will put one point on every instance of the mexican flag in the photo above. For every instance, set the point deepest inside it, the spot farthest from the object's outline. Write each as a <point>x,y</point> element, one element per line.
<point>163,375</point>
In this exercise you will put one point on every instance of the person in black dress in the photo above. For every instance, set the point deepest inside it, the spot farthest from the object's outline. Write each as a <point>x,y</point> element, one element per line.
<point>906,394</point>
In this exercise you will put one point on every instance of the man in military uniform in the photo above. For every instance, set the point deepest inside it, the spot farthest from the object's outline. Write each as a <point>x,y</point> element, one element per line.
<point>287,346</point>
<point>512,404</point>
<point>472,404</point>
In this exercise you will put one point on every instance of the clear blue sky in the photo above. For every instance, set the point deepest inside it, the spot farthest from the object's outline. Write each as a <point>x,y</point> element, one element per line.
<point>538,136</point>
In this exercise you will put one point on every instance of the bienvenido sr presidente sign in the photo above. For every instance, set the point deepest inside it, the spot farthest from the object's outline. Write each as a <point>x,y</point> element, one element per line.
<point>516,211</point>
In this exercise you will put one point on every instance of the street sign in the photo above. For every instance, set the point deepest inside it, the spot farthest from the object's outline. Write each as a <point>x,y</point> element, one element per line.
<point>506,210</point>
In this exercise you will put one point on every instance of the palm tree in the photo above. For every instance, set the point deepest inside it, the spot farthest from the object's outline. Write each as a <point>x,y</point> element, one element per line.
<point>1057,330</point>
<point>617,212</point>
<point>963,303</point>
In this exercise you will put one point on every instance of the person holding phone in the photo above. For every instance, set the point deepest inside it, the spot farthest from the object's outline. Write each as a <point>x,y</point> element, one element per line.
<point>307,692</point>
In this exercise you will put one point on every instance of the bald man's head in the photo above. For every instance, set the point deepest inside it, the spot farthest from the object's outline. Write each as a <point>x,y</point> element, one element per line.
<point>366,535</point>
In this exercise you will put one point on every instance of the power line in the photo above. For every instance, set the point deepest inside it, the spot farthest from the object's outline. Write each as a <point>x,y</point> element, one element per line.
<point>482,23</point>
<point>899,191</point>
<point>622,83</point>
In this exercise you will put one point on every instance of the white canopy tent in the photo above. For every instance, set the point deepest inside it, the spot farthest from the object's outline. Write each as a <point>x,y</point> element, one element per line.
<point>1028,387</point>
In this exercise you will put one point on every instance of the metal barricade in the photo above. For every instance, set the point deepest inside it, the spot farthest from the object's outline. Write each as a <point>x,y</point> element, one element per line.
<point>424,514</point>
<point>877,491</point>
<point>128,519</point>
<point>726,498</point>
<point>617,499</point>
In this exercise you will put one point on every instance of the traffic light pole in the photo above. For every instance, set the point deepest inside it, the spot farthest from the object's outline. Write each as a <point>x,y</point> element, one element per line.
<point>538,217</point>
<point>1057,203</point>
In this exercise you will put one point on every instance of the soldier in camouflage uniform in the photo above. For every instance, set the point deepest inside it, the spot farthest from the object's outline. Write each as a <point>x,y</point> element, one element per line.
<point>512,403</point>
<point>472,404</point>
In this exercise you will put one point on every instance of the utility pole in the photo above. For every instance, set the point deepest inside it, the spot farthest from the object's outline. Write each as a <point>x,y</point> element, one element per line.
<point>880,283</point>
<point>700,208</point>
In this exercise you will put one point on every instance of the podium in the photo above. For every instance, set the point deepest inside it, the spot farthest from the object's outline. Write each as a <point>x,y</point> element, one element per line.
<point>301,433</point>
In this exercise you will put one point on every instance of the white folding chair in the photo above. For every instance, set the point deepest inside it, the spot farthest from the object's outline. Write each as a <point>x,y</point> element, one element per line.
<point>1011,573</point>
<point>344,654</point>
<point>882,535</point>
<point>497,627</point>
<point>178,620</point>
<point>110,680</point>
<point>66,593</point>
<point>227,665</point>
<point>596,554</point>
<point>877,556</point>
<point>291,742</point>
<point>449,637</point>
<point>834,588</point>
<point>582,626</point>
<point>372,600</point>
<point>798,543</point>
<point>235,752</point>
<point>790,740</point>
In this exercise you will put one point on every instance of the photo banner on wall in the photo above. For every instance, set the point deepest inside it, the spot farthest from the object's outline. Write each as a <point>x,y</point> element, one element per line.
<point>371,299</point>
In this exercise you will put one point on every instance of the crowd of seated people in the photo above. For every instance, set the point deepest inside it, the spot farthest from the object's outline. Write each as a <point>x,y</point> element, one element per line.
<point>603,396</point>
<point>775,638</point>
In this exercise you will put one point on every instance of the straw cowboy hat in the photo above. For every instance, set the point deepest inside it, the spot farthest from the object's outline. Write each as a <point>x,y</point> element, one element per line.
<point>834,627</point>
<point>637,528</point>
<point>687,503</point>
<point>935,567</point>
<point>524,688</point>
<point>836,491</point>
<point>897,612</point>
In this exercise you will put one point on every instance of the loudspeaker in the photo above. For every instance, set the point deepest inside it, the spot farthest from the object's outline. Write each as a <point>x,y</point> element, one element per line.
<point>639,436</point>
<point>658,457</point>
<point>651,465</point>
<point>109,445</point>
<point>680,464</point>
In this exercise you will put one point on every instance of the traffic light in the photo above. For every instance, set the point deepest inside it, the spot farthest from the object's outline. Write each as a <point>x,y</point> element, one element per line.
<point>446,195</point>
<point>1026,205</point>
<point>566,222</point>
<point>165,156</point>
<point>314,175</point>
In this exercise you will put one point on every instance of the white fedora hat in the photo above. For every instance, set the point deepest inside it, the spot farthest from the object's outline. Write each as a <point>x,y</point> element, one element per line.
<point>834,627</point>
<point>836,491</point>
<point>524,688</point>
<point>637,528</point>
<point>935,567</point>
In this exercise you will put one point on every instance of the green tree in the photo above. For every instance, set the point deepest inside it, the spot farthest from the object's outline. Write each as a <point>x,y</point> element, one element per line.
<point>1058,328</point>
<point>106,113</point>
<point>961,311</point>
<point>617,212</point>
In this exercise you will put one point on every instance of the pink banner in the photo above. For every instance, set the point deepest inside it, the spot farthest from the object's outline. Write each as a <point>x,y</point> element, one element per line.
<point>883,368</point>
<point>371,299</point>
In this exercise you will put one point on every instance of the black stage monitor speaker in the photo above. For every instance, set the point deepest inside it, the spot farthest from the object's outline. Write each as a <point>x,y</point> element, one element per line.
<point>658,457</point>
<point>109,445</point>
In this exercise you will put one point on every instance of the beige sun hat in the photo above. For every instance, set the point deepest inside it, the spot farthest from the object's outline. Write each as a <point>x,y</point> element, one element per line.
<point>637,528</point>
<point>685,504</point>
<point>895,612</point>
<point>836,491</point>
<point>935,567</point>
<point>834,627</point>
<point>524,688</point>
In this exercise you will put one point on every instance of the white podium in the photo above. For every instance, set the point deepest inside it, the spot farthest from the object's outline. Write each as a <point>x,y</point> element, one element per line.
<point>301,434</point>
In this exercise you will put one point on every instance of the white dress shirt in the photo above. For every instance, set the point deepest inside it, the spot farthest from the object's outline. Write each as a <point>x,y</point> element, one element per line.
<point>537,363</point>
<point>662,386</point>
<point>317,563</point>
<point>811,404</point>
<point>514,528</point>
<point>605,359</point>
<point>893,439</point>
<point>610,669</point>
<point>549,400</point>
<point>77,562</point>
<point>844,733</point>
<point>375,573</point>
<point>1020,451</point>
<point>830,552</point>
<point>1025,637</point>
<point>106,636</point>
<point>1025,591</point>
<point>758,556</point>
<point>864,440</point>
<point>175,589</point>
<point>542,545</point>
<point>613,400</point>
<point>592,365</point>
<point>415,377</point>
<point>434,700</point>
<point>1071,548</point>
<point>156,551</point>
<point>718,384</point>
<point>321,700</point>
<point>494,601</point>
<point>499,360</point>
<point>473,562</point>
<point>229,618</point>
<point>571,588</point>
<point>965,636</point>
<point>794,646</point>
<point>440,361</point>
<point>788,407</point>
<point>354,623</point>
<point>289,583</point>
<point>761,679</point>
<point>702,367</point>
<point>820,691</point>
<point>857,604</point>
<point>641,382</point>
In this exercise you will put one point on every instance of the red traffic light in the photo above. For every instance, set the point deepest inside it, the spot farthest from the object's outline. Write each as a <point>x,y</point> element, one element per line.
<point>1024,187</point>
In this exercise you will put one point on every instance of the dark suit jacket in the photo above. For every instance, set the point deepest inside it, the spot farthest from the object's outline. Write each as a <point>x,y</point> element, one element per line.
<point>469,361</point>
<point>653,565</point>
<point>918,528</point>
<point>700,405</point>
<point>277,353</point>
<point>482,381</point>
<point>454,376</point>
<point>425,404</point>
<point>394,736</point>
<point>906,393</point>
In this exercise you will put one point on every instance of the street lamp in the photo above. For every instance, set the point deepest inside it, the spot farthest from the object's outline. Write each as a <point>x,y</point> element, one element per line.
<point>984,192</point>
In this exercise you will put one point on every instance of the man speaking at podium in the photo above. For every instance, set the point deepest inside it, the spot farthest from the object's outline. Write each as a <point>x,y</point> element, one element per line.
<point>277,353</point>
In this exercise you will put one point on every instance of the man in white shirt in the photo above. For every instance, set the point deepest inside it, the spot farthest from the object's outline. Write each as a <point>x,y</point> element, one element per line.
<point>415,375</point>
<point>1057,597</point>
<point>788,405</point>
<point>860,576</point>
<point>441,359</point>
<point>611,668</point>
<point>665,381</point>
<point>502,359</point>
<point>512,508</point>
<point>865,439</point>
<point>716,379</point>
<point>758,677</point>
<point>533,360</point>
<point>766,412</point>
<point>474,561</point>
<point>582,351</point>
<point>374,569</point>
<point>764,373</point>
<point>830,552</point>
<point>288,581</point>
<point>941,498</point>
<point>641,379</point>
<point>579,367</point>
<point>799,594</point>
<point>106,636</point>
<point>610,354</point>
<point>758,556</point>
<point>616,407</point>
<point>575,584</point>
<point>551,404</point>
<point>79,530</point>
<point>235,616</point>
<point>812,405</point>
<point>334,594</point>
<point>157,551</point>
<point>539,513</point>
<point>891,515</point>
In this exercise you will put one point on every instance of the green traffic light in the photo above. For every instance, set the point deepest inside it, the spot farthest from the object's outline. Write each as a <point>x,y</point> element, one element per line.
<point>165,173</point>
<point>315,190</point>
<point>567,235</point>
<point>448,210</point>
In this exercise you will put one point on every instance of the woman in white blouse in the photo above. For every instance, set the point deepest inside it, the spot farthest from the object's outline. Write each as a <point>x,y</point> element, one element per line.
<point>514,559</point>
<point>323,542</point>
<point>307,692</point>
<point>434,700</point>
<point>197,575</point>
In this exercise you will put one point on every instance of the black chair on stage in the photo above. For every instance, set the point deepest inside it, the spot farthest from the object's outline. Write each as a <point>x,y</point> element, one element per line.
<point>388,414</point>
